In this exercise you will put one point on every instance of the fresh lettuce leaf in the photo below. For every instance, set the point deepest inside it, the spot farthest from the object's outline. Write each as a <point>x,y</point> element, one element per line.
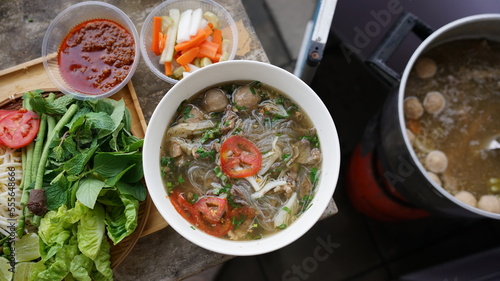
<point>58,267</point>
<point>80,267</point>
<point>121,220</point>
<point>91,229</point>
<point>102,264</point>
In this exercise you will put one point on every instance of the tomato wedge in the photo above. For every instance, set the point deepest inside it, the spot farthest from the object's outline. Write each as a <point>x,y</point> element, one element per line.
<point>240,157</point>
<point>212,208</point>
<point>18,128</point>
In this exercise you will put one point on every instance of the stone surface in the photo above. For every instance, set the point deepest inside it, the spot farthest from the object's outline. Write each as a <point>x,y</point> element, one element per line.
<point>163,255</point>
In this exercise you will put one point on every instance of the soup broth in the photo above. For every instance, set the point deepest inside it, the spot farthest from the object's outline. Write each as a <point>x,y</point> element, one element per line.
<point>452,110</point>
<point>240,160</point>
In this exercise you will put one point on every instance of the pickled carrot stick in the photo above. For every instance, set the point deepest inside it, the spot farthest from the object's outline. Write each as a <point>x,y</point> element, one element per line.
<point>168,68</point>
<point>188,56</point>
<point>208,49</point>
<point>217,39</point>
<point>155,40</point>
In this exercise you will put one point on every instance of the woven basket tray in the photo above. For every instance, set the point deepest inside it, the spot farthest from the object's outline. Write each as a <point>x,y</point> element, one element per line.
<point>121,250</point>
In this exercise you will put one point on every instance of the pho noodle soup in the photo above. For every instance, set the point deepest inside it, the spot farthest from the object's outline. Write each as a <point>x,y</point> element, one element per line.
<point>452,112</point>
<point>240,160</point>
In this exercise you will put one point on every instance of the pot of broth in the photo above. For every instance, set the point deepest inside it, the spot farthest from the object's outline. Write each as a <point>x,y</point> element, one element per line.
<point>438,128</point>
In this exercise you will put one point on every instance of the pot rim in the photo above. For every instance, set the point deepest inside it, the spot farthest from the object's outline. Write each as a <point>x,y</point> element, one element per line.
<point>425,45</point>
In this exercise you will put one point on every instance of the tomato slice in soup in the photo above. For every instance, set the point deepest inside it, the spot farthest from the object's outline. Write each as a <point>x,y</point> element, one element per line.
<point>183,207</point>
<point>18,128</point>
<point>212,208</point>
<point>240,157</point>
<point>217,229</point>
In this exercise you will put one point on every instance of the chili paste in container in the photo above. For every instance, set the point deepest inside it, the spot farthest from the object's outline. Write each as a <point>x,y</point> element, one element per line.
<point>96,56</point>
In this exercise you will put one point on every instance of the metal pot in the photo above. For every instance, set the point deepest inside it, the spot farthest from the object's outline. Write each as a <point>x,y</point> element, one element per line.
<point>401,165</point>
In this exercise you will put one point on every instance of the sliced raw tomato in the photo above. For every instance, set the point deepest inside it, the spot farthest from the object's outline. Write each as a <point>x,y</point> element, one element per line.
<point>183,207</point>
<point>18,128</point>
<point>4,112</point>
<point>217,229</point>
<point>212,208</point>
<point>240,157</point>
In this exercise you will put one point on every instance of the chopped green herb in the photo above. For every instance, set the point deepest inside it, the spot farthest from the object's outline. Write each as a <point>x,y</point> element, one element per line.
<point>193,198</point>
<point>231,202</point>
<point>281,226</point>
<point>255,85</point>
<point>286,209</point>
<point>314,175</point>
<point>286,156</point>
<point>210,134</point>
<point>166,161</point>
<point>238,221</point>
<point>181,106</point>
<point>180,179</point>
<point>314,140</point>
<point>187,112</point>
<point>240,108</point>
<point>206,154</point>
<point>305,202</point>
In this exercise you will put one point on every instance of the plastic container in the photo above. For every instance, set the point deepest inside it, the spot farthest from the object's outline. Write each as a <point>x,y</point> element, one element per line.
<point>61,26</point>
<point>227,25</point>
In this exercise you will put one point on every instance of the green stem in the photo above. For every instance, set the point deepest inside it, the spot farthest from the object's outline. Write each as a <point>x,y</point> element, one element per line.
<point>46,149</point>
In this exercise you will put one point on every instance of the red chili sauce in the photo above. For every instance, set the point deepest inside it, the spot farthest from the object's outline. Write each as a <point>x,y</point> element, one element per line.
<point>96,56</point>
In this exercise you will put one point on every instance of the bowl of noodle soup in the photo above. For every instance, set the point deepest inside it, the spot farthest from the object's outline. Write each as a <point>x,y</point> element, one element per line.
<point>241,157</point>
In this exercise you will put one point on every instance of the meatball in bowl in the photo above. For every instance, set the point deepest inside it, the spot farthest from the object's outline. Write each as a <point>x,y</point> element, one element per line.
<point>241,157</point>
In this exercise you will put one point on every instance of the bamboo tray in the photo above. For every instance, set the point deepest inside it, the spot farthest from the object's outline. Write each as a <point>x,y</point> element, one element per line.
<point>30,76</point>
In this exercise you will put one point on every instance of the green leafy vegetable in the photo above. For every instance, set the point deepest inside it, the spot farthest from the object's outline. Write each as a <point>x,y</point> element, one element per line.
<point>88,191</point>
<point>91,231</point>
<point>90,167</point>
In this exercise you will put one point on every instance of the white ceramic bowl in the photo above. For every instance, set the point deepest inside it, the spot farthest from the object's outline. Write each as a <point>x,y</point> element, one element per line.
<point>61,26</point>
<point>268,74</point>
<point>227,26</point>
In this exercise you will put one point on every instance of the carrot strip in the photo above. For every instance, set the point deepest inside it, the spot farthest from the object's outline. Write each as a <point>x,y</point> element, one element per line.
<point>208,49</point>
<point>208,29</point>
<point>217,39</point>
<point>155,40</point>
<point>193,42</point>
<point>217,58</point>
<point>168,68</point>
<point>188,56</point>
<point>186,68</point>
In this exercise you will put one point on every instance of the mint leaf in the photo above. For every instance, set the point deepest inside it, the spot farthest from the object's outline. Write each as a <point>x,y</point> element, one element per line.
<point>56,193</point>
<point>76,165</point>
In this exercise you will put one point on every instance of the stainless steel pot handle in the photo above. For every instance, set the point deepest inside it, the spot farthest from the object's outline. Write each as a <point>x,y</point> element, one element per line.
<point>405,24</point>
